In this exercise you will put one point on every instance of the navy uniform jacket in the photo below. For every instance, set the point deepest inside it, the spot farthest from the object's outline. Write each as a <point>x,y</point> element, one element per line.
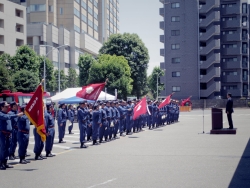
<point>123,111</point>
<point>103,115</point>
<point>118,115</point>
<point>49,121</point>
<point>71,115</point>
<point>108,112</point>
<point>5,121</point>
<point>113,110</point>
<point>14,120</point>
<point>62,116</point>
<point>23,124</point>
<point>82,116</point>
<point>96,117</point>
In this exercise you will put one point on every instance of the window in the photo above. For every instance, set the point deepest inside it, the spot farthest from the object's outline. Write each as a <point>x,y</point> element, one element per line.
<point>78,1</point>
<point>76,28</point>
<point>175,18</point>
<point>244,8</point>
<point>51,8</point>
<point>230,87</point>
<point>95,3</point>
<point>84,18</point>
<point>90,23</point>
<point>233,59</point>
<point>175,32</point>
<point>228,5</point>
<point>96,16</point>
<point>175,5</point>
<point>90,10</point>
<point>176,60</point>
<point>175,46</point>
<point>1,7</point>
<point>76,12</point>
<point>83,4</point>
<point>229,46</point>
<point>37,8</point>
<point>61,11</point>
<point>95,27</point>
<point>176,74</point>
<point>230,73</point>
<point>176,88</point>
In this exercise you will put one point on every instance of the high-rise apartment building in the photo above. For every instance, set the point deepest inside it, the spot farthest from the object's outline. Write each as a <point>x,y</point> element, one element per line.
<point>206,48</point>
<point>12,27</point>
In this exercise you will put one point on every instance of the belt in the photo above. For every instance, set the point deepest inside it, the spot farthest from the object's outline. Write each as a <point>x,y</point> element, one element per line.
<point>51,126</point>
<point>4,132</point>
<point>23,131</point>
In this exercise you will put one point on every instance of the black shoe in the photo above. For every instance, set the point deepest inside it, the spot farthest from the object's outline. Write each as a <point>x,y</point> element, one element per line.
<point>43,157</point>
<point>116,137</point>
<point>50,155</point>
<point>7,166</point>
<point>2,167</point>
<point>11,157</point>
<point>103,141</point>
<point>83,145</point>
<point>27,155</point>
<point>16,157</point>
<point>38,158</point>
<point>26,161</point>
<point>22,161</point>
<point>61,141</point>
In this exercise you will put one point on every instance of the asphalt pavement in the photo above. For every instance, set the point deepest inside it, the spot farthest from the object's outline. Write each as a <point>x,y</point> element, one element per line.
<point>177,155</point>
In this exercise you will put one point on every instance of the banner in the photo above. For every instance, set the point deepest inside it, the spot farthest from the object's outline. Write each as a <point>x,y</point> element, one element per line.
<point>91,91</point>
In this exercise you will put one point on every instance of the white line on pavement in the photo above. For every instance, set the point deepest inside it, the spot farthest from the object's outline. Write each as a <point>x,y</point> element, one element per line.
<point>106,182</point>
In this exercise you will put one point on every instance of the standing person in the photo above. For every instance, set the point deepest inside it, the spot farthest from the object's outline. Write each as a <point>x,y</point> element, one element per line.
<point>229,110</point>
<point>5,134</point>
<point>89,120</point>
<point>71,114</point>
<point>23,136</point>
<point>117,120</point>
<point>103,128</point>
<point>123,112</point>
<point>50,129</point>
<point>13,144</point>
<point>96,123</point>
<point>109,116</point>
<point>62,119</point>
<point>129,117</point>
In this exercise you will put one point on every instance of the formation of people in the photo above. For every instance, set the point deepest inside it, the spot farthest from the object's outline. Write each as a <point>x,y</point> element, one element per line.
<point>100,122</point>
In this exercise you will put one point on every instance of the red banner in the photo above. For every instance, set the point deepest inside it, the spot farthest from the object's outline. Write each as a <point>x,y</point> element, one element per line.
<point>35,112</point>
<point>140,108</point>
<point>165,101</point>
<point>91,91</point>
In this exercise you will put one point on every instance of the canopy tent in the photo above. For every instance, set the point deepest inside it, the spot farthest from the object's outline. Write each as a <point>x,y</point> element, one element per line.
<point>71,92</point>
<point>73,100</point>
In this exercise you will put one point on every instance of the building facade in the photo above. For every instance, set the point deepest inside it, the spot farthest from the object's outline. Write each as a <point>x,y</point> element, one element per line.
<point>12,27</point>
<point>206,47</point>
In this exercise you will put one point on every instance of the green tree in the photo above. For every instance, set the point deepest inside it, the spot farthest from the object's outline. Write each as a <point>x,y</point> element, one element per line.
<point>133,49</point>
<point>27,59</point>
<point>85,62</point>
<point>25,81</point>
<point>72,78</point>
<point>118,72</point>
<point>63,80</point>
<point>5,79</point>
<point>152,81</point>
<point>50,77</point>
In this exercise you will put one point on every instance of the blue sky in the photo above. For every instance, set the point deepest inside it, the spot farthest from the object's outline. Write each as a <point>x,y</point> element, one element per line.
<point>142,17</point>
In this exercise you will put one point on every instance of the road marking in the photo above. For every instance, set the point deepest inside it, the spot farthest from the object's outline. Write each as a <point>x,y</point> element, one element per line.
<point>54,145</point>
<point>106,182</point>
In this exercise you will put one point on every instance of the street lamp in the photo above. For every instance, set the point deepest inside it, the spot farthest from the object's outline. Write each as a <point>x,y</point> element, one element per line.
<point>157,83</point>
<point>44,66</point>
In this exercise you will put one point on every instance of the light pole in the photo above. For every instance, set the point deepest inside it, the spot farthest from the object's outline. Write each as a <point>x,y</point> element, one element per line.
<point>157,83</point>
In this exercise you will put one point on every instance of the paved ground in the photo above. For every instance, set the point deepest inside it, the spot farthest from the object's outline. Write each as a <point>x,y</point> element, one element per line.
<point>178,155</point>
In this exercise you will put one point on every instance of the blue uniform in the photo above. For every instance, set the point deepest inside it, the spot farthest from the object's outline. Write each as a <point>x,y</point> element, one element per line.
<point>13,143</point>
<point>39,145</point>
<point>50,129</point>
<point>150,116</point>
<point>82,121</point>
<point>71,119</point>
<point>129,120</point>
<point>112,122</point>
<point>96,121</point>
<point>23,135</point>
<point>5,135</point>
<point>117,121</point>
<point>62,118</point>
<point>109,116</point>
<point>89,127</point>
<point>104,128</point>
<point>123,113</point>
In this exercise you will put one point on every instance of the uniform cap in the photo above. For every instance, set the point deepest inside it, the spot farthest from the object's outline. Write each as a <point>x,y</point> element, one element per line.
<point>13,103</point>
<point>4,103</point>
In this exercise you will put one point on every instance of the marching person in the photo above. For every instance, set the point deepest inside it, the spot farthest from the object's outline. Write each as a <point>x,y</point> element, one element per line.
<point>129,117</point>
<point>109,116</point>
<point>104,127</point>
<point>117,120</point>
<point>89,120</point>
<point>229,110</point>
<point>5,134</point>
<point>96,124</point>
<point>23,136</point>
<point>123,112</point>
<point>50,130</point>
<point>71,115</point>
<point>13,144</point>
<point>62,119</point>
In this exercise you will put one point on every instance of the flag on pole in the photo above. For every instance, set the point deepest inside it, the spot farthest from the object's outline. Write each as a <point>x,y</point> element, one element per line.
<point>140,108</point>
<point>35,112</point>
<point>91,91</point>
<point>165,101</point>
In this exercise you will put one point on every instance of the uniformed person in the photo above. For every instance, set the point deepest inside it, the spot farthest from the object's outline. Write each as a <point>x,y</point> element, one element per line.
<point>23,136</point>
<point>104,127</point>
<point>13,144</point>
<point>62,119</point>
<point>123,112</point>
<point>5,134</point>
<point>50,130</point>
<point>117,120</point>
<point>89,121</point>
<point>150,116</point>
<point>129,117</point>
<point>71,115</point>
<point>109,116</point>
<point>96,123</point>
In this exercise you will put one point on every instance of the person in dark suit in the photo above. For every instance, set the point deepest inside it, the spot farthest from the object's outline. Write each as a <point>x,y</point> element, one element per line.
<point>229,110</point>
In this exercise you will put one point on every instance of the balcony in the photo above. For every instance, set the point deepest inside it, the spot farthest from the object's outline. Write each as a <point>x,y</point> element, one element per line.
<point>162,52</point>
<point>231,65</point>
<point>162,25</point>
<point>214,30</point>
<point>214,16</point>
<point>209,5</point>
<point>231,24</point>
<point>232,78</point>
<point>214,72</point>
<point>230,10</point>
<point>231,51</point>
<point>215,58</point>
<point>162,38</point>
<point>215,87</point>
<point>231,37</point>
<point>161,12</point>
<point>214,44</point>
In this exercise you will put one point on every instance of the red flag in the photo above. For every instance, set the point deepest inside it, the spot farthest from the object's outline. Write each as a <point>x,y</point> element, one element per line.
<point>183,102</point>
<point>140,108</point>
<point>35,112</point>
<point>91,91</point>
<point>165,101</point>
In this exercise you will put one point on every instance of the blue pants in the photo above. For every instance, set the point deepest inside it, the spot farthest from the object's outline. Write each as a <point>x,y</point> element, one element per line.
<point>122,125</point>
<point>4,146</point>
<point>13,143</point>
<point>128,124</point>
<point>117,127</point>
<point>95,131</point>
<point>23,142</point>
<point>103,129</point>
<point>111,129</point>
<point>50,140</point>
<point>89,131</point>
<point>71,126</point>
<point>61,130</point>
<point>39,145</point>
<point>150,121</point>
<point>83,129</point>
<point>106,133</point>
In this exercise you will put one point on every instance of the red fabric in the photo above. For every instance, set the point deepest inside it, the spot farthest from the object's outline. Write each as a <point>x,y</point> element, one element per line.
<point>140,108</point>
<point>91,91</point>
<point>35,112</point>
<point>185,101</point>
<point>165,102</point>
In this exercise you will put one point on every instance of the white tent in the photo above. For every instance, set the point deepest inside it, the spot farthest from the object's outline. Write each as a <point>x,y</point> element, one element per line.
<point>71,92</point>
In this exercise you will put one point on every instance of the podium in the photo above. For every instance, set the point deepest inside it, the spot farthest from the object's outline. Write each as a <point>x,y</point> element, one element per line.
<point>217,123</point>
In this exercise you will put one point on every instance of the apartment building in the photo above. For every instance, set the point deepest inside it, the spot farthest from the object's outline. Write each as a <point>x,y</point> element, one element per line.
<point>206,47</point>
<point>12,26</point>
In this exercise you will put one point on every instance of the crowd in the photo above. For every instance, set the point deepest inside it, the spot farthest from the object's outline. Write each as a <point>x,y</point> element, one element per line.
<point>100,122</point>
